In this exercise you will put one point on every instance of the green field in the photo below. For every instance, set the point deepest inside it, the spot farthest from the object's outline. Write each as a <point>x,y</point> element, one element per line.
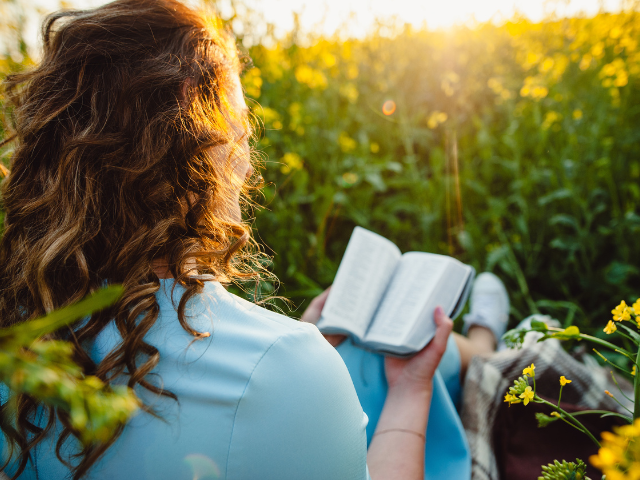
<point>514,148</point>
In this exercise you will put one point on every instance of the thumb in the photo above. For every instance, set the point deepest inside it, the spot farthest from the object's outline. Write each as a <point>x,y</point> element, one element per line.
<point>444,325</point>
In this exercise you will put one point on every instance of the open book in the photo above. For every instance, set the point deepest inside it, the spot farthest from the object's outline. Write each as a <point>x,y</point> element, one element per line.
<point>385,300</point>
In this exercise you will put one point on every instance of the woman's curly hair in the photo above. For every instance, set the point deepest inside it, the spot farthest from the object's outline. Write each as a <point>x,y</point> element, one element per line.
<point>113,170</point>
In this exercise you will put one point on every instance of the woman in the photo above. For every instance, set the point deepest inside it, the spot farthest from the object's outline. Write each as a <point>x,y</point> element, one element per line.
<point>129,167</point>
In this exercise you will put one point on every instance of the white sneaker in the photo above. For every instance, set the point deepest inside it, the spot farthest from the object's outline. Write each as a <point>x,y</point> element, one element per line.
<point>489,305</point>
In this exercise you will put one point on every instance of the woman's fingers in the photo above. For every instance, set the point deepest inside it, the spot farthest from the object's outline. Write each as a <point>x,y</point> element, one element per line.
<point>313,311</point>
<point>419,370</point>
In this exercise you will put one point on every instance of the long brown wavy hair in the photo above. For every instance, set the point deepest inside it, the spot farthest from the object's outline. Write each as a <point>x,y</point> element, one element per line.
<point>113,170</point>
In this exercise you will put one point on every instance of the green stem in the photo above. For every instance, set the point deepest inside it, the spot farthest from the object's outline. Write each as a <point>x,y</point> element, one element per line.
<point>636,390</point>
<point>569,423</point>
<point>595,340</point>
<point>618,402</point>
<point>625,336</point>
<point>604,343</point>
<point>603,413</point>
<point>611,363</point>
<point>574,420</point>
<point>613,377</point>
<point>560,396</point>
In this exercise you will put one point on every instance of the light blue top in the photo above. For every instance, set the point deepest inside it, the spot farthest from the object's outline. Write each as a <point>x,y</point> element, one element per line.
<point>264,397</point>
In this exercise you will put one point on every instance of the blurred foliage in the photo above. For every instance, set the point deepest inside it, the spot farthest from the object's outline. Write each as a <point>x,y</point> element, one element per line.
<point>514,148</point>
<point>45,370</point>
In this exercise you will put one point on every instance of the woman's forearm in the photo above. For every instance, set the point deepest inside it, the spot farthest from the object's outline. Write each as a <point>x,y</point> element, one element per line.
<point>397,448</point>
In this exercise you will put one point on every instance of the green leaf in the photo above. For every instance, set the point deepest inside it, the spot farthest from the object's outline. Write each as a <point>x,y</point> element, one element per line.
<point>630,331</point>
<point>544,420</point>
<point>539,326</point>
<point>55,320</point>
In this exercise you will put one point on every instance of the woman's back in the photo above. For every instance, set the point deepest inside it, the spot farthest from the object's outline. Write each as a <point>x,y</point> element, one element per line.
<point>263,397</point>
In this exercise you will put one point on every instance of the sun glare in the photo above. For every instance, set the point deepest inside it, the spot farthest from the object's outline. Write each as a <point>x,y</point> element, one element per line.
<point>358,16</point>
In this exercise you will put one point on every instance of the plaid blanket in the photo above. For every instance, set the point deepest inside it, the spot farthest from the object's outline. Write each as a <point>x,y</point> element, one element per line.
<point>488,379</point>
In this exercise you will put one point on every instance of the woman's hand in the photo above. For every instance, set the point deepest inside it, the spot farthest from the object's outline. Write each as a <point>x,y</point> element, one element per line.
<point>397,447</point>
<point>312,315</point>
<point>417,372</point>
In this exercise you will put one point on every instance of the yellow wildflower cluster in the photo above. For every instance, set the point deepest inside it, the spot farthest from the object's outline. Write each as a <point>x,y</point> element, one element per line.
<point>290,162</point>
<point>436,118</point>
<point>619,455</point>
<point>636,310</point>
<point>495,84</point>
<point>311,77</point>
<point>532,88</point>
<point>252,82</point>
<point>550,119</point>
<point>522,391</point>
<point>349,91</point>
<point>347,144</point>
<point>604,42</point>
<point>621,313</point>
<point>614,74</point>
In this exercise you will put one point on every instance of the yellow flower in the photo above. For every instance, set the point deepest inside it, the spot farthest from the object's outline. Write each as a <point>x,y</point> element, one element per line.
<point>636,307</point>
<point>606,458</point>
<point>564,381</point>
<point>619,455</point>
<point>621,312</point>
<point>511,399</point>
<point>633,370</point>
<point>527,395</point>
<point>290,162</point>
<point>555,414</point>
<point>347,144</point>
<point>529,371</point>
<point>610,328</point>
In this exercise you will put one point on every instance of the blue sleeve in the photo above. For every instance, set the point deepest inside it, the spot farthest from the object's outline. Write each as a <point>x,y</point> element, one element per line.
<point>299,416</point>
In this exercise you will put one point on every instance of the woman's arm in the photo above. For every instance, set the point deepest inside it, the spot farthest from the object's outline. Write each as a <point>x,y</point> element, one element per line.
<point>397,447</point>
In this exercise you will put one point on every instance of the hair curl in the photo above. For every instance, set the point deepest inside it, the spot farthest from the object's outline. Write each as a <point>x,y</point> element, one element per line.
<point>114,169</point>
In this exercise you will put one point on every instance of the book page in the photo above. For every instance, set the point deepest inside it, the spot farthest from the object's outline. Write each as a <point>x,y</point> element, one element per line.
<point>452,284</point>
<point>417,276</point>
<point>447,294</point>
<point>363,275</point>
